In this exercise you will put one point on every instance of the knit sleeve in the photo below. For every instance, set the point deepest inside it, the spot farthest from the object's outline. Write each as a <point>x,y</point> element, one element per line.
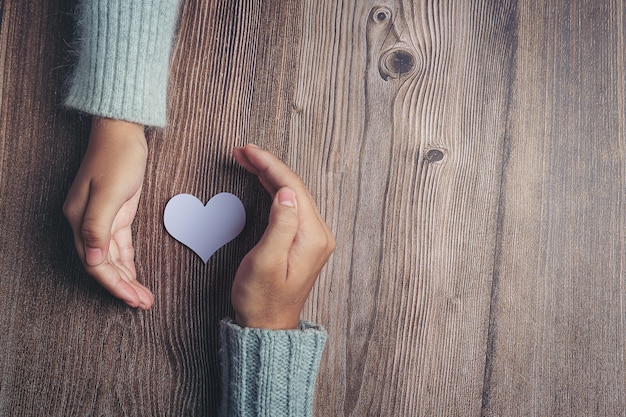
<point>123,51</point>
<point>269,373</point>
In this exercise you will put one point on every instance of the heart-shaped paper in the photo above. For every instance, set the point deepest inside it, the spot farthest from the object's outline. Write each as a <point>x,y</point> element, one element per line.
<point>204,228</point>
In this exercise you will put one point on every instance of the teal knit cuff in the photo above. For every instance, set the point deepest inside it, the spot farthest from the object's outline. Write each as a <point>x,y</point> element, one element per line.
<point>269,372</point>
<point>123,49</point>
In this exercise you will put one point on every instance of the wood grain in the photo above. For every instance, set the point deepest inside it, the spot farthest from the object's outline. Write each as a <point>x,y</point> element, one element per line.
<point>557,335</point>
<point>412,274</point>
<point>468,155</point>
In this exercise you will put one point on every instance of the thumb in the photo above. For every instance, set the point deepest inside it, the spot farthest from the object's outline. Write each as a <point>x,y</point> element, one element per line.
<point>96,226</point>
<point>283,222</point>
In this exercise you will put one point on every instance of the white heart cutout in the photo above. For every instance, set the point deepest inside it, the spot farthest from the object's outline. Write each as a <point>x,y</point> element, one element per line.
<point>204,228</point>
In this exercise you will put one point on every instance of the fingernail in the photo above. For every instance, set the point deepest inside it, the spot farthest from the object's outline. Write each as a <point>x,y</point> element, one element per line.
<point>253,145</point>
<point>287,197</point>
<point>93,256</point>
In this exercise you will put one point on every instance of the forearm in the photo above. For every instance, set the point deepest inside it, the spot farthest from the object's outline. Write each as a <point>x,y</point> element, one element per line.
<point>269,372</point>
<point>123,50</point>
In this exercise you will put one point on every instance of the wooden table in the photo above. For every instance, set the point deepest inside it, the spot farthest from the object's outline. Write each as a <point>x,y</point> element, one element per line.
<point>470,157</point>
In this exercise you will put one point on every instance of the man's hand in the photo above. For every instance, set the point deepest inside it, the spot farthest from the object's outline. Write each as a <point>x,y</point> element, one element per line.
<point>276,276</point>
<point>102,203</point>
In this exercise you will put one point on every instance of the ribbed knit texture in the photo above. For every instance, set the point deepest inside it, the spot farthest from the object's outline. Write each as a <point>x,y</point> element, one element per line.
<point>123,51</point>
<point>269,373</point>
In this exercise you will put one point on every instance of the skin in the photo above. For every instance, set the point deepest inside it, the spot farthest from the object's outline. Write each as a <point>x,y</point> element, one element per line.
<point>273,280</point>
<point>102,203</point>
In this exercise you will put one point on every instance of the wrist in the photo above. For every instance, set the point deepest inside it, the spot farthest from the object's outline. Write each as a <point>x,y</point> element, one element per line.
<point>115,128</point>
<point>279,323</point>
<point>118,134</point>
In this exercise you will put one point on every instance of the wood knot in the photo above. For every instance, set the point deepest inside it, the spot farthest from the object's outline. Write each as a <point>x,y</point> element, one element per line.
<point>434,155</point>
<point>380,15</point>
<point>395,63</point>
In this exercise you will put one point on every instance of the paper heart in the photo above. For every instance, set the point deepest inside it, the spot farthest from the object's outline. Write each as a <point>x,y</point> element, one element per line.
<point>204,228</point>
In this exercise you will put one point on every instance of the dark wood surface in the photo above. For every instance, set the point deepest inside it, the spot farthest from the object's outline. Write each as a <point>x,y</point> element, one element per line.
<point>468,155</point>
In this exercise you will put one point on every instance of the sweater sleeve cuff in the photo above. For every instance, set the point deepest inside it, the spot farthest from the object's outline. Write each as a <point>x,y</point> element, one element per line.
<point>123,51</point>
<point>269,372</point>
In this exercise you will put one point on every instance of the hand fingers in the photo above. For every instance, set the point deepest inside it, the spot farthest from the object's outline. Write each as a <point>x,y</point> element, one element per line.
<point>242,158</point>
<point>274,175</point>
<point>267,167</point>
<point>118,282</point>
<point>281,229</point>
<point>95,230</point>
<point>117,273</point>
<point>121,251</point>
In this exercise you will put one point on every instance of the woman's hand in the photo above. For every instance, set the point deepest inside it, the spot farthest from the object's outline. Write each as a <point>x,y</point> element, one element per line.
<point>276,276</point>
<point>102,203</point>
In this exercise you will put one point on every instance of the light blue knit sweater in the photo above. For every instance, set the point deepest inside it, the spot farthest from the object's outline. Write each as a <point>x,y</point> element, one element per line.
<point>121,72</point>
<point>269,373</point>
<point>123,49</point>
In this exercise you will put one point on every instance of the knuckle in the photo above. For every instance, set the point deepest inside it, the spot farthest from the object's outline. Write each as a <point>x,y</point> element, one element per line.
<point>92,231</point>
<point>324,242</point>
<point>68,210</point>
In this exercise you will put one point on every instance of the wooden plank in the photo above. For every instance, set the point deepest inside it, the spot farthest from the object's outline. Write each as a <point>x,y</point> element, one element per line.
<point>557,339</point>
<point>406,295</point>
